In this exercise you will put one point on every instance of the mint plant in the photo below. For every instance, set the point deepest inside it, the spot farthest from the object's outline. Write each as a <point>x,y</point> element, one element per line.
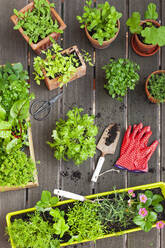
<point>122,74</point>
<point>74,138</point>
<point>101,22</point>
<point>148,207</point>
<point>151,34</point>
<point>156,86</point>
<point>38,23</point>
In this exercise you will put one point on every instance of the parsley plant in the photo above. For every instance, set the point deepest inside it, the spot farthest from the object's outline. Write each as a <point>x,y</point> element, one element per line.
<point>156,87</point>
<point>75,138</point>
<point>121,75</point>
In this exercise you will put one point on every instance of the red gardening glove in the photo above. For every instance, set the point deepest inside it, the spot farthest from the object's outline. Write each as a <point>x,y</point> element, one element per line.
<point>137,129</point>
<point>134,154</point>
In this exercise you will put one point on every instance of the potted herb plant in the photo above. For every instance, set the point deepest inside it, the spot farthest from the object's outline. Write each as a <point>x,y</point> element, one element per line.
<point>122,74</point>
<point>103,215</point>
<point>38,21</point>
<point>148,35</point>
<point>60,67</point>
<point>155,86</point>
<point>74,138</point>
<point>17,170</point>
<point>101,24</point>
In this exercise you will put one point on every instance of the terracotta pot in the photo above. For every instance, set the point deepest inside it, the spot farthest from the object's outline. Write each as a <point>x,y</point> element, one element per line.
<point>81,70</point>
<point>45,43</point>
<point>150,97</point>
<point>143,49</point>
<point>105,44</point>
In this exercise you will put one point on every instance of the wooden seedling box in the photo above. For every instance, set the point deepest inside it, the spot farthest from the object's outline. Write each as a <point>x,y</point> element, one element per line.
<point>80,71</point>
<point>45,43</point>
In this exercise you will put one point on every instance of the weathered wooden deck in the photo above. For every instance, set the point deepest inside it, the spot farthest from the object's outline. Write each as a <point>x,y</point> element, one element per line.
<point>87,92</point>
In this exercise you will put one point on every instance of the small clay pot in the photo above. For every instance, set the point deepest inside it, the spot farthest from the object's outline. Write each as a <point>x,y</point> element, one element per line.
<point>80,71</point>
<point>150,97</point>
<point>105,44</point>
<point>143,49</point>
<point>45,43</point>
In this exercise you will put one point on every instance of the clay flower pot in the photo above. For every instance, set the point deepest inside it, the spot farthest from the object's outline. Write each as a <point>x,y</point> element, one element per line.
<point>150,97</point>
<point>45,43</point>
<point>105,44</point>
<point>81,70</point>
<point>144,49</point>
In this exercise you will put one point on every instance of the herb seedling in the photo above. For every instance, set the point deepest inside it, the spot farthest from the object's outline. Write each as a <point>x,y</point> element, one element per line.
<point>101,21</point>
<point>56,65</point>
<point>38,23</point>
<point>122,74</point>
<point>83,221</point>
<point>74,138</point>
<point>156,87</point>
<point>116,211</point>
<point>151,34</point>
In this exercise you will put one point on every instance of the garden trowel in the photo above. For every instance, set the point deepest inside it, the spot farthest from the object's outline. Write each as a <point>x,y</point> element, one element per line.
<point>107,145</point>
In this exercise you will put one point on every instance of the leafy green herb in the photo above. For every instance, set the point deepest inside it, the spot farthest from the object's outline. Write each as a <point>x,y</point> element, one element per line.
<point>156,86</point>
<point>151,12</point>
<point>121,75</point>
<point>13,85</point>
<point>33,233</point>
<point>151,34</point>
<point>55,65</point>
<point>38,23</point>
<point>116,211</point>
<point>16,169</point>
<point>46,201</point>
<point>84,222</point>
<point>74,138</point>
<point>101,21</point>
<point>60,227</point>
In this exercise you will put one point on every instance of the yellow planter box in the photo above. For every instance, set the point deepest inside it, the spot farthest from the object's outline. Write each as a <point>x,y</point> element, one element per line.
<point>160,185</point>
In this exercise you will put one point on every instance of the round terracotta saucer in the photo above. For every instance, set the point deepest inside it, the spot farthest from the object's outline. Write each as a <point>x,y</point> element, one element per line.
<point>140,53</point>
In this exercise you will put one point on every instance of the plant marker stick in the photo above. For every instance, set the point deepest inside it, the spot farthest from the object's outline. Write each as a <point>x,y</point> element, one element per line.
<point>69,195</point>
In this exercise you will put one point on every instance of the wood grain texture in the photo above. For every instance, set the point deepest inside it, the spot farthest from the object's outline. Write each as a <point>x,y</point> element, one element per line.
<point>12,49</point>
<point>141,110</point>
<point>77,93</point>
<point>48,169</point>
<point>108,111</point>
<point>162,107</point>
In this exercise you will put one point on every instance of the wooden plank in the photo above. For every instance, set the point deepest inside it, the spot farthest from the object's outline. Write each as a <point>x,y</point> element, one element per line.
<point>141,110</point>
<point>109,111</point>
<point>77,93</point>
<point>12,49</point>
<point>162,175</point>
<point>48,169</point>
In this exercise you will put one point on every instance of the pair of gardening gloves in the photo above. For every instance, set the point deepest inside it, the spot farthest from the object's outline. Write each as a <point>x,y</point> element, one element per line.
<point>135,153</point>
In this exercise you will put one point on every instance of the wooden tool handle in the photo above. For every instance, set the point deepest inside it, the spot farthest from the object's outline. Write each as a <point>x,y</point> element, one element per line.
<point>98,169</point>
